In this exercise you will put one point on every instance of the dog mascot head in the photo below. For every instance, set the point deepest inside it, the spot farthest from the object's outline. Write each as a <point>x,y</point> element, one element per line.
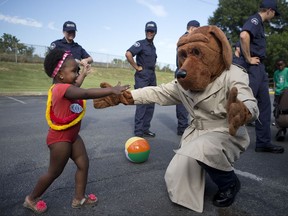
<point>202,56</point>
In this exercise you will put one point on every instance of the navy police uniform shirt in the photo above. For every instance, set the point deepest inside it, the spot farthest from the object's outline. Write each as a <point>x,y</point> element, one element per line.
<point>145,54</point>
<point>77,51</point>
<point>255,27</point>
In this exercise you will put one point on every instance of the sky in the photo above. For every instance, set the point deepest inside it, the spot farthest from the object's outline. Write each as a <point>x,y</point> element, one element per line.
<point>104,26</point>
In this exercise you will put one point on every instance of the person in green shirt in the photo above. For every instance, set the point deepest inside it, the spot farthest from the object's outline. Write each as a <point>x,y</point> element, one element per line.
<point>280,84</point>
<point>280,77</point>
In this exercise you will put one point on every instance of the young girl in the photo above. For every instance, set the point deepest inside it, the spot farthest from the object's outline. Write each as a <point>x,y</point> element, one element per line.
<point>65,109</point>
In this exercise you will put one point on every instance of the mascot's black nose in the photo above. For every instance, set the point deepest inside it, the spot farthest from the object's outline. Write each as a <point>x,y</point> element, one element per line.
<point>181,74</point>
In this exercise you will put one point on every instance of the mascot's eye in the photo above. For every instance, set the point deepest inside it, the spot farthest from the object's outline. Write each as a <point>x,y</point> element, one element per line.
<point>195,52</point>
<point>182,54</point>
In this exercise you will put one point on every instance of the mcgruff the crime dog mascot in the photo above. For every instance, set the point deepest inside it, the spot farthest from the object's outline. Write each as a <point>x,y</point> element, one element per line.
<point>220,102</point>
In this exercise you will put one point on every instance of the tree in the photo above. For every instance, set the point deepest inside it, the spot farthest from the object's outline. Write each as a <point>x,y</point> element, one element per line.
<point>166,68</point>
<point>231,15</point>
<point>117,61</point>
<point>278,49</point>
<point>10,44</point>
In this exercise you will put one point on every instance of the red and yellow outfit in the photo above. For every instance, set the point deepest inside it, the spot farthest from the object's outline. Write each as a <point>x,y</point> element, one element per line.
<point>64,124</point>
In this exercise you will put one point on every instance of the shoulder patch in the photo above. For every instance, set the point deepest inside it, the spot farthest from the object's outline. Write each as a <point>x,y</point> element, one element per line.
<point>255,21</point>
<point>52,46</point>
<point>137,44</point>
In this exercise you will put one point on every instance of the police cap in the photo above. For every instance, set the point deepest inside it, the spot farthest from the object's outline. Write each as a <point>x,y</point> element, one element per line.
<point>69,26</point>
<point>151,26</point>
<point>270,4</point>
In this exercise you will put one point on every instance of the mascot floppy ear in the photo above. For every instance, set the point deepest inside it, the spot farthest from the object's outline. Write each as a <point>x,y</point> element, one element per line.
<point>226,48</point>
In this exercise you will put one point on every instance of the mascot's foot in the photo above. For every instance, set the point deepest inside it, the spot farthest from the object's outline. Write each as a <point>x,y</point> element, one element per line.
<point>227,197</point>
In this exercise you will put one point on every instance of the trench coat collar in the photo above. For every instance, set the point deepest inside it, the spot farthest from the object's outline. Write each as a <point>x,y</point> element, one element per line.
<point>211,89</point>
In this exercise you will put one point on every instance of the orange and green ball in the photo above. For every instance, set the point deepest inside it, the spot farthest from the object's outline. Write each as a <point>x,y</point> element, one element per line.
<point>137,149</point>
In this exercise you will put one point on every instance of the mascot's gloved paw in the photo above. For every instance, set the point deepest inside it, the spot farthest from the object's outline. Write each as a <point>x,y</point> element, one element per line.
<point>238,113</point>
<point>126,98</point>
<point>105,85</point>
<point>112,100</point>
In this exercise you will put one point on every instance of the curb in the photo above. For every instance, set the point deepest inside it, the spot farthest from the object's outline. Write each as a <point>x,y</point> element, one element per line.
<point>23,93</point>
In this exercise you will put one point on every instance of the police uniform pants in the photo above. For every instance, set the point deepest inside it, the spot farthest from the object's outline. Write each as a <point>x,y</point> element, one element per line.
<point>182,117</point>
<point>144,112</point>
<point>259,83</point>
<point>223,179</point>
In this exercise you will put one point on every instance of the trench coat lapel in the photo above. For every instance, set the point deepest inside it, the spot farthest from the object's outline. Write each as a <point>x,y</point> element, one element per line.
<point>211,89</point>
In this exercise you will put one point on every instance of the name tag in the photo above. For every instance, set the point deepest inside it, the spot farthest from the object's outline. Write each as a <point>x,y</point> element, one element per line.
<point>76,108</point>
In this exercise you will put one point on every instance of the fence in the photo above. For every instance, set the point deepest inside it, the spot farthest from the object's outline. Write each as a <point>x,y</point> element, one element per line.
<point>100,59</point>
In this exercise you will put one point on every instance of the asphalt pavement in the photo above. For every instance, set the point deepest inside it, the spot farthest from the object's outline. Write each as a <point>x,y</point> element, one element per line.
<point>123,188</point>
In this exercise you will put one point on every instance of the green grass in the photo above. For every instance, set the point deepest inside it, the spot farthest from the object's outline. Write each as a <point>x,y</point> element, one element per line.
<point>30,78</point>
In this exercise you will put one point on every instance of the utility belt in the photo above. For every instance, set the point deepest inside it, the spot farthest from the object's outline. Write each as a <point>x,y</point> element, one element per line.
<point>261,59</point>
<point>149,67</point>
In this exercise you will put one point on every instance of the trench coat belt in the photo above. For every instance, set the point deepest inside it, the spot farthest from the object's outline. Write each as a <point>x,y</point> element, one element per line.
<point>209,124</point>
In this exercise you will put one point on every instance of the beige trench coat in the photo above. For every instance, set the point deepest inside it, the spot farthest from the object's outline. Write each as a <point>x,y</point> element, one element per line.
<point>207,139</point>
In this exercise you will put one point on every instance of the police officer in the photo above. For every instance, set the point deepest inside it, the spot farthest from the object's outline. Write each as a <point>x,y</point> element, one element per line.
<point>146,56</point>
<point>181,112</point>
<point>253,51</point>
<point>68,43</point>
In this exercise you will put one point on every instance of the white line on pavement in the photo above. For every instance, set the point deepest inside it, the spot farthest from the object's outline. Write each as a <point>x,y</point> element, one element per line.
<point>248,175</point>
<point>16,100</point>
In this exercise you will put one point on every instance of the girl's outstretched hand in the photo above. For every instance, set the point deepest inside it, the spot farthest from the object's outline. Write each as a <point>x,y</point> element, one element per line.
<point>118,89</point>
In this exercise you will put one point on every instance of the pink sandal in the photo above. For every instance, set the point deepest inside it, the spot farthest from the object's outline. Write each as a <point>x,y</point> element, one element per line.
<point>89,200</point>
<point>37,206</point>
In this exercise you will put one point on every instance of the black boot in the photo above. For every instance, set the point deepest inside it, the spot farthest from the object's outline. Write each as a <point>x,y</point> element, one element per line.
<point>224,198</point>
<point>227,182</point>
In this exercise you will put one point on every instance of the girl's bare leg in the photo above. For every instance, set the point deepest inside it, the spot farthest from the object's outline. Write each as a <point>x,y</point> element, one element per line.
<point>59,156</point>
<point>80,157</point>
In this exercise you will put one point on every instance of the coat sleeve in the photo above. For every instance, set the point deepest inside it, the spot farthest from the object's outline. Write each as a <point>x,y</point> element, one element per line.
<point>164,94</point>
